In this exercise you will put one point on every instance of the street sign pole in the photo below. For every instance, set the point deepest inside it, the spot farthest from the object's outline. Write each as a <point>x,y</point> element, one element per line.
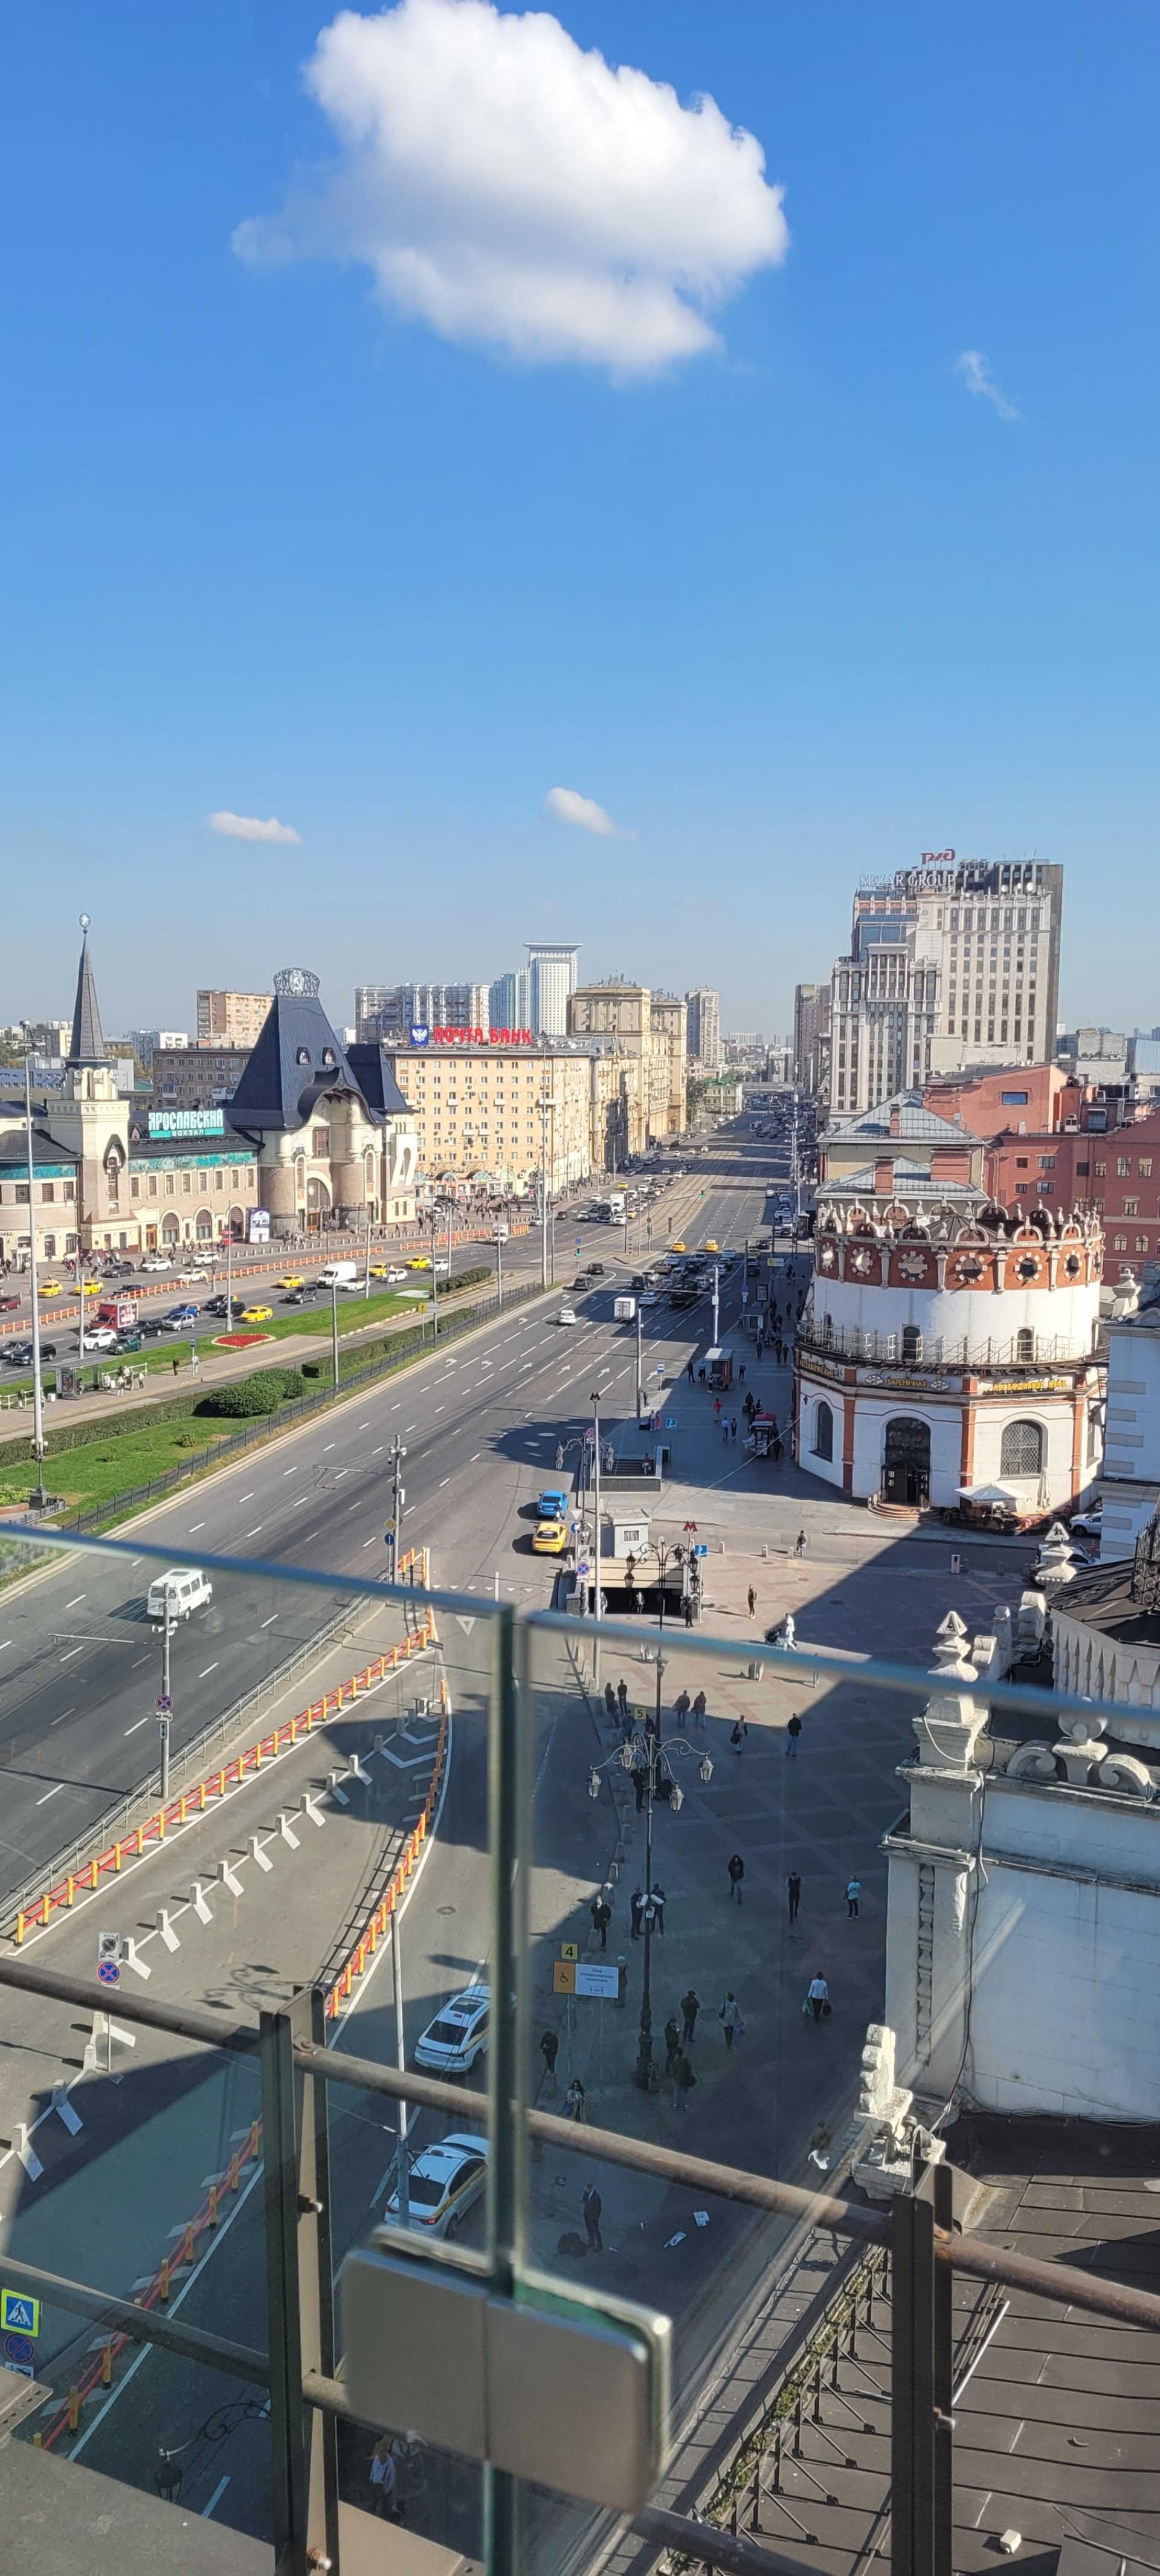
<point>165,1703</point>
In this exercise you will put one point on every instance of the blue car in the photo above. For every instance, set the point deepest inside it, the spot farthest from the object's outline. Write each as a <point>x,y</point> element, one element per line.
<point>553,1503</point>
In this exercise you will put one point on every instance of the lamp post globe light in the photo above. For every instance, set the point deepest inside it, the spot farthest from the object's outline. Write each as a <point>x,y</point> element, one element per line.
<point>644,1756</point>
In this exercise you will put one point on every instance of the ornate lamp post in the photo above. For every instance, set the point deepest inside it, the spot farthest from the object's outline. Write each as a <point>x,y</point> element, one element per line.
<point>645,1753</point>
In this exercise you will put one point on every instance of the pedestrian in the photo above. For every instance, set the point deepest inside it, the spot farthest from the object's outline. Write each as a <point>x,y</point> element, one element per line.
<point>800,1543</point>
<point>636,1902</point>
<point>733,1426</point>
<point>690,2007</point>
<point>690,1372</point>
<point>716,1408</point>
<point>751,1597</point>
<point>736,1874</point>
<point>640,1784</point>
<point>622,1696</point>
<point>793,1889</point>
<point>737,1738</point>
<point>176,1364</point>
<point>658,1909</point>
<point>688,1607</point>
<point>701,1376</point>
<point>575,2104</point>
<point>592,2206</point>
<point>818,1998</point>
<point>853,1892</point>
<point>683,2080</point>
<point>741,1373</point>
<point>384,2478</point>
<point>601,1913</point>
<point>195,1363</point>
<point>672,2041</point>
<point>549,2051</point>
<point>820,2145</point>
<point>610,1702</point>
<point>792,1733</point>
<point>681,1705</point>
<point>700,1709</point>
<point>730,2018</point>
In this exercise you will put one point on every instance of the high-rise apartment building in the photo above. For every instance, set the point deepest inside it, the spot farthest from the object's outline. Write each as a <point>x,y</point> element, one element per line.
<point>811,1024</point>
<point>553,971</point>
<point>703,1026</point>
<point>231,1019</point>
<point>510,1000</point>
<point>953,963</point>
<point>387,1013</point>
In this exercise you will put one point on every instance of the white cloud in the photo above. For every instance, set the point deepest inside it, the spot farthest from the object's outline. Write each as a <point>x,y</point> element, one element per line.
<point>511,190</point>
<point>248,827</point>
<point>974,372</point>
<point>570,807</point>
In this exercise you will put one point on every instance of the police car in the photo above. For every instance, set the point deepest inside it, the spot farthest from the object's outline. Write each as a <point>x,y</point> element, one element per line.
<point>453,2043</point>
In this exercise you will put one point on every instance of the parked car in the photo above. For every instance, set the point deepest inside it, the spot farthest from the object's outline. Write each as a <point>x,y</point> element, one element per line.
<point>184,1587</point>
<point>157,1261</point>
<point>454,2042</point>
<point>443,2184</point>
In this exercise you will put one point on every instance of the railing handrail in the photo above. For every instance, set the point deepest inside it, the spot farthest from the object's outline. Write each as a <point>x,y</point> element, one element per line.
<point>867,1349</point>
<point>1060,2282</point>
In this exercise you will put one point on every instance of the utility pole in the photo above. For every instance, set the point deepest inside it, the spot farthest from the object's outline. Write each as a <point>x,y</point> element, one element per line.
<point>401,2168</point>
<point>543,1183</point>
<point>367,1264</point>
<point>334,1329</point>
<point>596,1538</point>
<point>716,1303</point>
<point>229,1274</point>
<point>498,1266</point>
<point>639,1361</point>
<point>39,1498</point>
<point>165,1703</point>
<point>398,1498</point>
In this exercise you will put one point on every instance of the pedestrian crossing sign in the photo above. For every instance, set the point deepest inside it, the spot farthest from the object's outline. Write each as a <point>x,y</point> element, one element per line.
<point>18,2313</point>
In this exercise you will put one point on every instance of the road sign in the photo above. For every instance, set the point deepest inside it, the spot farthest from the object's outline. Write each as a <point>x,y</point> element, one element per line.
<point>700,1549</point>
<point>19,2314</point>
<point>569,1949</point>
<point>109,1972</point>
<point>601,1983</point>
<point>164,1705</point>
<point>19,2351</point>
<point>389,1533</point>
<point>670,1421</point>
<point>563,1976</point>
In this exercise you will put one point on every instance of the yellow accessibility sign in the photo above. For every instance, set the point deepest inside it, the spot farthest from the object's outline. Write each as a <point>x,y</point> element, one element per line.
<point>564,1977</point>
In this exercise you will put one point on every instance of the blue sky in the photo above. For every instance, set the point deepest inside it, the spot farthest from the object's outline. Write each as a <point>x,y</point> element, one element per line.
<point>795,608</point>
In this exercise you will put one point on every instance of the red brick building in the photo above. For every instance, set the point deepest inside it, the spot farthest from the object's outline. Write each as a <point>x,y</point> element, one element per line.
<point>1116,1173</point>
<point>1037,1096</point>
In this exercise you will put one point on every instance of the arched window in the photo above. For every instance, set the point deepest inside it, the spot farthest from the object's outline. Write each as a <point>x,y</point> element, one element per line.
<point>824,1432</point>
<point>1025,1343</point>
<point>911,1344</point>
<point>1022,1452</point>
<point>827,1332</point>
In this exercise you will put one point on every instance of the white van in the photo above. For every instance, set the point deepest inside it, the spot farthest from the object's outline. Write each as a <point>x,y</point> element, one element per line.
<point>184,1587</point>
<point>340,1274</point>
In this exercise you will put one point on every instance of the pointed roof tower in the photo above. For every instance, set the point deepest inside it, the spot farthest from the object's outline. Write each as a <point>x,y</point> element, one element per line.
<point>88,1044</point>
<point>297,1060</point>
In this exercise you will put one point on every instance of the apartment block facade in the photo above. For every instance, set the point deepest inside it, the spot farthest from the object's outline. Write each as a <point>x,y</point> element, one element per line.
<point>950,964</point>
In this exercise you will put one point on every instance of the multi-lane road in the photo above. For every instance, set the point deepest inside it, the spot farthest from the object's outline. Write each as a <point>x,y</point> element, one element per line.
<point>79,1664</point>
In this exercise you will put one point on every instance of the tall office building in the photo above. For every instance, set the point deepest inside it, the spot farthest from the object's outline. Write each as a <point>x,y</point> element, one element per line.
<point>231,1019</point>
<point>952,963</point>
<point>811,1023</point>
<point>703,1026</point>
<point>510,1000</point>
<point>553,981</point>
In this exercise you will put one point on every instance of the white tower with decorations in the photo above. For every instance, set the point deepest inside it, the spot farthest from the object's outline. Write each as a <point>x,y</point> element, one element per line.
<point>947,1356</point>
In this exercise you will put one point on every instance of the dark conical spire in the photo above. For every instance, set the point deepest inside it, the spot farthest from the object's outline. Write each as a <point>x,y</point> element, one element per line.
<point>88,1044</point>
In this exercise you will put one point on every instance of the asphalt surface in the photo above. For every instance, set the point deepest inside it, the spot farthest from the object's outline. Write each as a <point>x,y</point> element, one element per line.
<point>80,1666</point>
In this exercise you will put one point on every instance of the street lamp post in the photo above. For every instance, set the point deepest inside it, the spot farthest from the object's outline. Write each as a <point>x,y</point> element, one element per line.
<point>165,1702</point>
<point>646,1753</point>
<point>401,2158</point>
<point>398,1499</point>
<point>39,1498</point>
<point>334,1329</point>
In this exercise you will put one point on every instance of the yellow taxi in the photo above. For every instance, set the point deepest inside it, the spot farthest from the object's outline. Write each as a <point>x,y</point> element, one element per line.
<point>257,1314</point>
<point>93,1288</point>
<point>379,1270</point>
<point>676,1247</point>
<point>550,1538</point>
<point>51,1288</point>
<point>418,1261</point>
<point>294,1280</point>
<point>711,1246</point>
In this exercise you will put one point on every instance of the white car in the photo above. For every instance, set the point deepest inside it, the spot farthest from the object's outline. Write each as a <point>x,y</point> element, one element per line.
<point>185,1588</point>
<point>567,1315</point>
<point>189,1278</point>
<point>442,2184</point>
<point>97,1337</point>
<point>1090,1523</point>
<point>649,1298</point>
<point>454,2042</point>
<point>157,1261</point>
<point>394,1277</point>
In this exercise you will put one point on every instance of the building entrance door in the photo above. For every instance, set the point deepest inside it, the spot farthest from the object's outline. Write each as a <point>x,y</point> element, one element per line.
<point>906,1471</point>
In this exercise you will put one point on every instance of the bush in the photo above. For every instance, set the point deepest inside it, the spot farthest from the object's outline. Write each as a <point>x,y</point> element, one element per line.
<point>254,1395</point>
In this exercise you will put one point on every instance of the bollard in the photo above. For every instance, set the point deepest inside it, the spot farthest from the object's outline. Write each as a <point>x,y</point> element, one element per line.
<point>107,2366</point>
<point>257,1757</point>
<point>70,1883</point>
<point>235,2164</point>
<point>163,2285</point>
<point>187,2244</point>
<point>20,1928</point>
<point>213,2205</point>
<point>221,1787</point>
<point>74,2408</point>
<point>45,1909</point>
<point>117,1855</point>
<point>255,2137</point>
<point>161,1825</point>
<point>92,1873</point>
<point>140,1840</point>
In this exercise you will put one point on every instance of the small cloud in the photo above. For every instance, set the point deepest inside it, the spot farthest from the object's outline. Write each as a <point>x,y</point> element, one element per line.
<point>974,373</point>
<point>509,189</point>
<point>249,827</point>
<point>569,807</point>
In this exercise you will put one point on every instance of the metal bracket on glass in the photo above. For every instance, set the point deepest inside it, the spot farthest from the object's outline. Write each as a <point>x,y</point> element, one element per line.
<point>556,2384</point>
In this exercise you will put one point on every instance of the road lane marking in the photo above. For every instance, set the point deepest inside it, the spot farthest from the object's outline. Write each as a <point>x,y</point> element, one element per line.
<point>71,1605</point>
<point>440,1408</point>
<point>370,1542</point>
<point>343,1471</point>
<point>210,1668</point>
<point>377,1453</point>
<point>50,1793</point>
<point>247,1498</point>
<point>476,1453</point>
<point>254,1532</point>
<point>330,1445</point>
<point>301,1503</point>
<point>292,1471</point>
<point>140,1721</point>
<point>73,1650</point>
<point>444,1480</point>
<point>196,1526</point>
<point>268,1623</point>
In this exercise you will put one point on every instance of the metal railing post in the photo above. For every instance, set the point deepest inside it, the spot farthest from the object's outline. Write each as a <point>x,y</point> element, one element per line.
<point>920,2421</point>
<point>509,1877</point>
<point>303,2447</point>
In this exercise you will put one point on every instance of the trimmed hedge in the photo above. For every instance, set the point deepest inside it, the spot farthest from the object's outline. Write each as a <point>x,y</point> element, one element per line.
<point>249,1395</point>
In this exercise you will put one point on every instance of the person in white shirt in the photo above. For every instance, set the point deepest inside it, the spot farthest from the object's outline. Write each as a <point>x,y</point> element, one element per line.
<point>818,1997</point>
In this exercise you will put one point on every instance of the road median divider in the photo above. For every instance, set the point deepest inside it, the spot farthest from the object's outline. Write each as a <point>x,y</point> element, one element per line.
<point>363,1950</point>
<point>60,1888</point>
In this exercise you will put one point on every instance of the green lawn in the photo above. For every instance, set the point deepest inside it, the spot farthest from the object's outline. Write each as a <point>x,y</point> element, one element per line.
<point>101,1469</point>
